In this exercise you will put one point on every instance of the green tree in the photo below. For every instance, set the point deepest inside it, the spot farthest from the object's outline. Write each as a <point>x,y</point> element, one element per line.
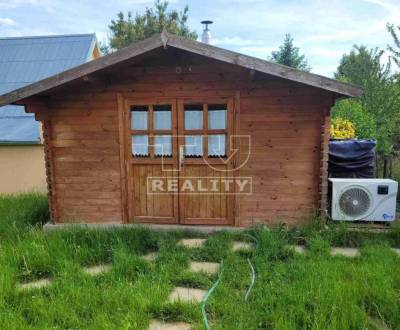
<point>289,55</point>
<point>126,29</point>
<point>351,109</point>
<point>394,50</point>
<point>376,114</point>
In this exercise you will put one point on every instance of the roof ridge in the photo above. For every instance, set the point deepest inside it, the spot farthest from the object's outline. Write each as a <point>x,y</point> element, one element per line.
<point>50,36</point>
<point>166,40</point>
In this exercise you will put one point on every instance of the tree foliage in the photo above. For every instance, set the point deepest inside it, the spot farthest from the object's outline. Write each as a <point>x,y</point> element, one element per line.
<point>394,50</point>
<point>363,122</point>
<point>126,29</point>
<point>376,113</point>
<point>289,55</point>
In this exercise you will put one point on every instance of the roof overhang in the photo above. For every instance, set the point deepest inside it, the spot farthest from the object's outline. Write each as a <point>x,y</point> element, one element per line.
<point>166,39</point>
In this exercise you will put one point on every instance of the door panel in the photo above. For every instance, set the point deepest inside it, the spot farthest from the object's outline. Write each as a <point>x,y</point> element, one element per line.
<point>152,141</point>
<point>210,207</point>
<point>147,206</point>
<point>206,163</point>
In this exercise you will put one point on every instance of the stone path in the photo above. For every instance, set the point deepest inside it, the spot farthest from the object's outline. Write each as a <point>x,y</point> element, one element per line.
<point>299,248</point>
<point>187,295</point>
<point>192,243</point>
<point>35,284</point>
<point>97,270</point>
<point>396,251</point>
<point>339,251</point>
<point>378,323</point>
<point>160,325</point>
<point>346,252</point>
<point>242,246</point>
<point>210,268</point>
<point>151,256</point>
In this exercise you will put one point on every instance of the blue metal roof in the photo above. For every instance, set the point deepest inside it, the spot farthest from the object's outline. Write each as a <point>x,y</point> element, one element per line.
<point>24,60</point>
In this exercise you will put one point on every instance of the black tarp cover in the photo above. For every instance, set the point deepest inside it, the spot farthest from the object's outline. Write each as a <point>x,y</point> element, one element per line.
<point>351,158</point>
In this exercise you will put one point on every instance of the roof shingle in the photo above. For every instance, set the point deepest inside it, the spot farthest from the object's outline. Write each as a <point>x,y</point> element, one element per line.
<point>24,60</point>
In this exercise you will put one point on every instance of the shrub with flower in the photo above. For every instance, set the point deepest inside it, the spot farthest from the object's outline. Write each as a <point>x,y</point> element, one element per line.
<point>342,129</point>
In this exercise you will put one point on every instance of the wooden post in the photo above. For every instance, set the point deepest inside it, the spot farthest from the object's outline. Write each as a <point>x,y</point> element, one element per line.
<point>122,158</point>
<point>323,177</point>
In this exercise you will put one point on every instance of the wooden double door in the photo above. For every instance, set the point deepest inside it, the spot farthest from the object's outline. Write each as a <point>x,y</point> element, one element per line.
<point>179,159</point>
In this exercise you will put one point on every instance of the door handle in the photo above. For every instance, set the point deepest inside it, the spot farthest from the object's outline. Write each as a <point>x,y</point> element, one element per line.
<point>181,156</point>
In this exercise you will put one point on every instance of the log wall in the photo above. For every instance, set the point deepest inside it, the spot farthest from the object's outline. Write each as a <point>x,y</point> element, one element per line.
<point>285,121</point>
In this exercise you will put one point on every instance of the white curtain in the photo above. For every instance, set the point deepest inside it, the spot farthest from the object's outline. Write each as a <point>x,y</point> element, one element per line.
<point>217,145</point>
<point>162,119</point>
<point>194,145</point>
<point>217,119</point>
<point>140,145</point>
<point>139,120</point>
<point>193,119</point>
<point>163,145</point>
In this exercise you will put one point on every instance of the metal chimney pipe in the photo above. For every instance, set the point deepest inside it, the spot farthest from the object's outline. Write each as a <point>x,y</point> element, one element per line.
<point>206,36</point>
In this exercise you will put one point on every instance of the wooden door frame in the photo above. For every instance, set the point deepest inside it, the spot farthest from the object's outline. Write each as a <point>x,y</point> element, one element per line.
<point>127,191</point>
<point>124,104</point>
<point>205,101</point>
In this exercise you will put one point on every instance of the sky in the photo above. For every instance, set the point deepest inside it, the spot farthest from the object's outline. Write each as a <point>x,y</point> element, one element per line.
<point>323,29</point>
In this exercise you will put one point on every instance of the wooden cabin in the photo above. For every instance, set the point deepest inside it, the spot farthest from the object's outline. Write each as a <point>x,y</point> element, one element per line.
<point>174,131</point>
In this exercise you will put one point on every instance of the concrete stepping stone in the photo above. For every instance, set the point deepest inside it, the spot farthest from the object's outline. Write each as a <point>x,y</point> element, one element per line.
<point>210,268</point>
<point>160,325</point>
<point>397,251</point>
<point>192,242</point>
<point>98,269</point>
<point>151,256</point>
<point>187,295</point>
<point>299,248</point>
<point>346,252</point>
<point>35,284</point>
<point>379,324</point>
<point>242,246</point>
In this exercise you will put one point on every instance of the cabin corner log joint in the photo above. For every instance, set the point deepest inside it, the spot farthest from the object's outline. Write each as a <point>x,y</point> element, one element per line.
<point>102,141</point>
<point>39,107</point>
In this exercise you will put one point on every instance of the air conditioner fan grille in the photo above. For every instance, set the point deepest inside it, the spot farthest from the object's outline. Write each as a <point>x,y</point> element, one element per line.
<point>354,202</point>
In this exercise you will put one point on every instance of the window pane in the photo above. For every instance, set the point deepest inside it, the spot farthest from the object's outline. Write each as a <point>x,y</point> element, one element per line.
<point>193,145</point>
<point>162,116</point>
<point>193,116</point>
<point>140,145</point>
<point>139,117</point>
<point>217,145</point>
<point>217,116</point>
<point>163,145</point>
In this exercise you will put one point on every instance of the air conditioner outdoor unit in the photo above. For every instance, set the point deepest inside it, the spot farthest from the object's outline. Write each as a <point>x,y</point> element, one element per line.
<point>363,199</point>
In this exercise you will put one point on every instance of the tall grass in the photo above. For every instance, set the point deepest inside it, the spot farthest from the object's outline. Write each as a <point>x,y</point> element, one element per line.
<point>19,213</point>
<point>291,291</point>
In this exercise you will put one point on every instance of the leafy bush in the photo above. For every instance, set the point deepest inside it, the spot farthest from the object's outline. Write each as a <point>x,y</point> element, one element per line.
<point>342,129</point>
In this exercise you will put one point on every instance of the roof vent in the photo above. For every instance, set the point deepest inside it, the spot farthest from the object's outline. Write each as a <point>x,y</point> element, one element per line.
<point>206,36</point>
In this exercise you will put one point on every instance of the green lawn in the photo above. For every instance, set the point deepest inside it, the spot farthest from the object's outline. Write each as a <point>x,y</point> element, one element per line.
<point>291,291</point>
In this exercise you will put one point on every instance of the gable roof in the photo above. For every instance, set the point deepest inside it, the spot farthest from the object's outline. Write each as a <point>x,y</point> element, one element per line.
<point>18,127</point>
<point>166,39</point>
<point>25,60</point>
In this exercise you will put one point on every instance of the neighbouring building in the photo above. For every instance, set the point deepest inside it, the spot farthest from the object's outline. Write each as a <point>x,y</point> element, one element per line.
<point>24,60</point>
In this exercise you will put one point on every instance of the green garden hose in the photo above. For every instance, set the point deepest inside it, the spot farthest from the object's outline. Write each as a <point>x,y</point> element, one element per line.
<point>214,286</point>
<point>204,301</point>
<point>253,279</point>
<point>253,272</point>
